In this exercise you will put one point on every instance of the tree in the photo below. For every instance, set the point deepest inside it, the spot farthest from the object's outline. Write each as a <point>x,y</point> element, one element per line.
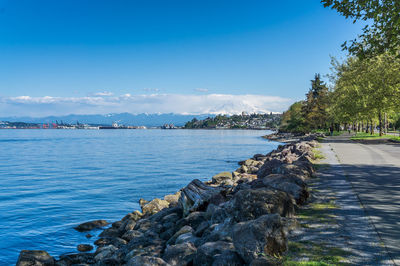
<point>380,36</point>
<point>315,106</point>
<point>366,90</point>
<point>292,119</point>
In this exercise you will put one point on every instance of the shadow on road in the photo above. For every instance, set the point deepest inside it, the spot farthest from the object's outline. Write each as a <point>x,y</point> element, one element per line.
<point>378,189</point>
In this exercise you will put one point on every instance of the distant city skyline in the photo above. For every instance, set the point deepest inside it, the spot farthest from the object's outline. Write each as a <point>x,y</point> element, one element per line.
<point>96,57</point>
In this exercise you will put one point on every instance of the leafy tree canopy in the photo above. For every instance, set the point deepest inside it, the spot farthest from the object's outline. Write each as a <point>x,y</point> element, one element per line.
<point>381,35</point>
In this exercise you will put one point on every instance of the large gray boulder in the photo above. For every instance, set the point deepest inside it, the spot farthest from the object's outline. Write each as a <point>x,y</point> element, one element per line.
<point>184,230</point>
<point>269,167</point>
<point>249,204</point>
<point>35,258</point>
<point>228,257</point>
<point>206,254</point>
<point>194,219</point>
<point>146,261</point>
<point>292,185</point>
<point>180,254</point>
<point>265,235</point>
<point>77,258</point>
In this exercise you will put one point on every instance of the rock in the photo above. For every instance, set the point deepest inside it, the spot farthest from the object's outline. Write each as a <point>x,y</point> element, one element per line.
<point>116,241</point>
<point>106,262</point>
<point>265,235</point>
<point>243,169</point>
<point>88,236</point>
<point>196,196</point>
<point>246,178</point>
<point>201,228</point>
<point>84,248</point>
<point>171,218</point>
<point>194,219</point>
<point>136,215</point>
<point>159,216</point>
<point>216,214</point>
<point>104,252</point>
<point>186,238</point>
<point>228,257</point>
<point>167,234</point>
<point>143,225</point>
<point>302,147</point>
<point>313,143</point>
<point>116,224</point>
<point>110,232</point>
<point>143,202</point>
<point>207,252</point>
<point>88,226</point>
<point>149,251</point>
<point>222,178</point>
<point>129,235</point>
<point>35,258</point>
<point>144,241</point>
<point>217,232</point>
<point>183,230</point>
<point>259,157</point>
<point>127,225</point>
<point>146,261</point>
<point>248,204</point>
<point>173,198</point>
<point>154,206</point>
<point>292,169</point>
<point>180,254</point>
<point>76,259</point>
<point>289,184</point>
<point>269,167</point>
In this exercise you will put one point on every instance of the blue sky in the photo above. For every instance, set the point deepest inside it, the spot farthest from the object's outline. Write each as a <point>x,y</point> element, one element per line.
<point>89,56</point>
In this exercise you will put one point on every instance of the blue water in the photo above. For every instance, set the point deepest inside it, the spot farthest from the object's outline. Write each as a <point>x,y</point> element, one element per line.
<point>52,180</point>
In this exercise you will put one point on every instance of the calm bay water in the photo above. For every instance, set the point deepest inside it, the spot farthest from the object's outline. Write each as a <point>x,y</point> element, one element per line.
<point>52,180</point>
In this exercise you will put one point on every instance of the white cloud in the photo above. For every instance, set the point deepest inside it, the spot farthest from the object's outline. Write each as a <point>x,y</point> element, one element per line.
<point>103,93</point>
<point>201,90</point>
<point>146,103</point>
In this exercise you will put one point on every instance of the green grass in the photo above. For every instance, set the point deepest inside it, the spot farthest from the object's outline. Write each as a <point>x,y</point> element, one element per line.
<point>317,254</point>
<point>318,154</point>
<point>397,139</point>
<point>368,136</point>
<point>318,212</point>
<point>319,167</point>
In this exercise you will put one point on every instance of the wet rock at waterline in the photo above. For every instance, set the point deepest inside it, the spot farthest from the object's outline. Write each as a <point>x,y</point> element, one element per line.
<point>88,226</point>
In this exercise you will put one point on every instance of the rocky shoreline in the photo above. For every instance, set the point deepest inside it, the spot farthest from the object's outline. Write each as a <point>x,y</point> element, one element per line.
<point>238,218</point>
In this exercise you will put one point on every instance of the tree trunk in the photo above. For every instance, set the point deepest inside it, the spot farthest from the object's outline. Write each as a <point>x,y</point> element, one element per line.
<point>367,127</point>
<point>380,124</point>
<point>372,128</point>
<point>386,123</point>
<point>196,195</point>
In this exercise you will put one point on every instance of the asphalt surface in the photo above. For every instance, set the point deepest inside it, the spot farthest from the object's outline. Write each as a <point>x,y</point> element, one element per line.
<point>373,170</point>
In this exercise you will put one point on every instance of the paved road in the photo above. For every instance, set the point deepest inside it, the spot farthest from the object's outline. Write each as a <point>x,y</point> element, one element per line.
<point>373,169</point>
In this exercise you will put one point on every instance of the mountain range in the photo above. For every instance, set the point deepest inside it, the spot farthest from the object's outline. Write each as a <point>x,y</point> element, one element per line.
<point>148,120</point>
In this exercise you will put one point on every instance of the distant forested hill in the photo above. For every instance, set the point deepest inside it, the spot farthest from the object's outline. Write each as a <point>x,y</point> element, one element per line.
<point>244,121</point>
